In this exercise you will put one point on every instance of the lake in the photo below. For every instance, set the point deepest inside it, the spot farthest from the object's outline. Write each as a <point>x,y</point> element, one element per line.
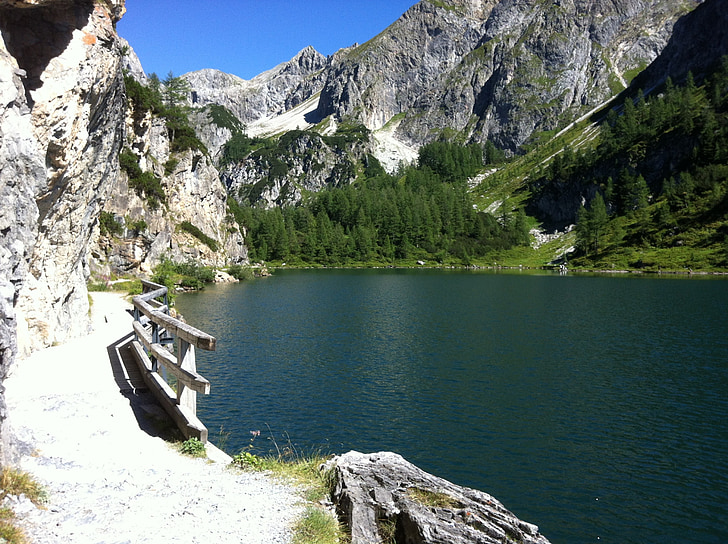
<point>595,407</point>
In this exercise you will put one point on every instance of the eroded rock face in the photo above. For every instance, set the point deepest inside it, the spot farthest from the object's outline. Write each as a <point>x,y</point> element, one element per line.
<point>61,96</point>
<point>194,193</point>
<point>384,498</point>
<point>268,94</point>
<point>498,70</point>
<point>22,171</point>
<point>73,85</point>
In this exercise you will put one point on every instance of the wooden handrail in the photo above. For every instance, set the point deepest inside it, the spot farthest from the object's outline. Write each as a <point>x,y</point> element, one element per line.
<point>150,349</point>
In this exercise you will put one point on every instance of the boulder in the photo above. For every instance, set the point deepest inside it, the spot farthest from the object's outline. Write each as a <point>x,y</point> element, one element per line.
<point>384,498</point>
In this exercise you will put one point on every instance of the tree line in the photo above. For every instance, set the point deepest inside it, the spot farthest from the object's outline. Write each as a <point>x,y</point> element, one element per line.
<point>661,166</point>
<point>422,212</point>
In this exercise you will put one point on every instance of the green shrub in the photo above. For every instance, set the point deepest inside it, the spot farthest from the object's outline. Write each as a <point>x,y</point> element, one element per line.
<point>236,149</point>
<point>224,118</point>
<point>247,460</point>
<point>149,186</point>
<point>109,225</point>
<point>189,275</point>
<point>189,228</point>
<point>136,226</point>
<point>240,272</point>
<point>16,482</point>
<point>170,166</point>
<point>143,99</point>
<point>145,184</point>
<point>129,162</point>
<point>193,447</point>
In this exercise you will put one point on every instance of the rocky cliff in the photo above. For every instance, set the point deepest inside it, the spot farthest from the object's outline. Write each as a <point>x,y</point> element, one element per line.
<point>149,232</point>
<point>497,70</point>
<point>67,55</point>
<point>64,121</point>
<point>469,70</point>
<point>62,105</point>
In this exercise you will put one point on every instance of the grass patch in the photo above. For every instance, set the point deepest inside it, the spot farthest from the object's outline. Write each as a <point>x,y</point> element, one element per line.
<point>16,482</point>
<point>9,532</point>
<point>433,499</point>
<point>131,286</point>
<point>317,526</point>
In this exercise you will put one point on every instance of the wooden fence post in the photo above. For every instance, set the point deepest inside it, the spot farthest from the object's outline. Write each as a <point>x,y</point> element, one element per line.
<point>186,396</point>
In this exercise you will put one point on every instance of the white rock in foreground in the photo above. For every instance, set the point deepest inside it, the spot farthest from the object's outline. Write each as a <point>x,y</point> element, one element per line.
<point>382,492</point>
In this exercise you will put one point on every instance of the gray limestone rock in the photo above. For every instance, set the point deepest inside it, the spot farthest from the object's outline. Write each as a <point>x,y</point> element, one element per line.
<point>498,70</point>
<point>268,94</point>
<point>68,55</point>
<point>384,498</point>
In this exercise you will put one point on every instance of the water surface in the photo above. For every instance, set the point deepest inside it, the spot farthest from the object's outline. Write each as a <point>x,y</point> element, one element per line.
<point>594,407</point>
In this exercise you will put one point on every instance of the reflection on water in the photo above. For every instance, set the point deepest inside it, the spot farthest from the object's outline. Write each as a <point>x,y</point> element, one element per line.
<point>594,407</point>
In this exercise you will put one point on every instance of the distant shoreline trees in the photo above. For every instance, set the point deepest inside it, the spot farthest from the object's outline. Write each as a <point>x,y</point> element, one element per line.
<point>422,212</point>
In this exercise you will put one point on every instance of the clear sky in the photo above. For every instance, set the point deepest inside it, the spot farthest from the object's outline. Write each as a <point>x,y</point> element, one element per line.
<point>247,37</point>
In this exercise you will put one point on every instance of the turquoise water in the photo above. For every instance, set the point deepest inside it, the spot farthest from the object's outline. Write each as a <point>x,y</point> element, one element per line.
<point>594,407</point>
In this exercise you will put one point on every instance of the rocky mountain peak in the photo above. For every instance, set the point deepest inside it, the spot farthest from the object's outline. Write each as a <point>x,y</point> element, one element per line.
<point>273,92</point>
<point>498,70</point>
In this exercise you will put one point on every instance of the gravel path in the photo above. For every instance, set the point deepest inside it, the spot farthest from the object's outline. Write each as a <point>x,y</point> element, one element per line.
<point>108,480</point>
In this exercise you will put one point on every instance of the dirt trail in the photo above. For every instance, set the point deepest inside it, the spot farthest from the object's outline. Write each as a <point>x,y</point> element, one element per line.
<point>108,480</point>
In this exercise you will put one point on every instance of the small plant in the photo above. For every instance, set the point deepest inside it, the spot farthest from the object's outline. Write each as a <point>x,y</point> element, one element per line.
<point>17,482</point>
<point>193,447</point>
<point>247,460</point>
<point>317,526</point>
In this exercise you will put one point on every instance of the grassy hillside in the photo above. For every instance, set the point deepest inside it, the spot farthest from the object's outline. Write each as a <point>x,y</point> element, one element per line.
<point>646,184</point>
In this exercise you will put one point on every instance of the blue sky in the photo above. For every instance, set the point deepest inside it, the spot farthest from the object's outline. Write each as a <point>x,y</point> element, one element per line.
<point>247,37</point>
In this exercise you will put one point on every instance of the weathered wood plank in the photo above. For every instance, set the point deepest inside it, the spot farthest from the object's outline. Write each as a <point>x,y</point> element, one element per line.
<point>181,407</point>
<point>142,333</point>
<point>144,307</point>
<point>192,335</point>
<point>176,327</point>
<point>190,379</point>
<point>187,396</point>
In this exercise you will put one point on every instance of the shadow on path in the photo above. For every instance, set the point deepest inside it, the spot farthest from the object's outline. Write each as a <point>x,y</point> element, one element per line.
<point>150,416</point>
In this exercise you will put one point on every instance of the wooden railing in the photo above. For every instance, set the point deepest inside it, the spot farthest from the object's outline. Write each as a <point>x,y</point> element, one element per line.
<point>154,330</point>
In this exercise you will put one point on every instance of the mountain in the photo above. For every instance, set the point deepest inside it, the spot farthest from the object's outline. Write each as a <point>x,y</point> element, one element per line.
<point>496,70</point>
<point>99,175</point>
<point>266,95</point>
<point>464,70</point>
